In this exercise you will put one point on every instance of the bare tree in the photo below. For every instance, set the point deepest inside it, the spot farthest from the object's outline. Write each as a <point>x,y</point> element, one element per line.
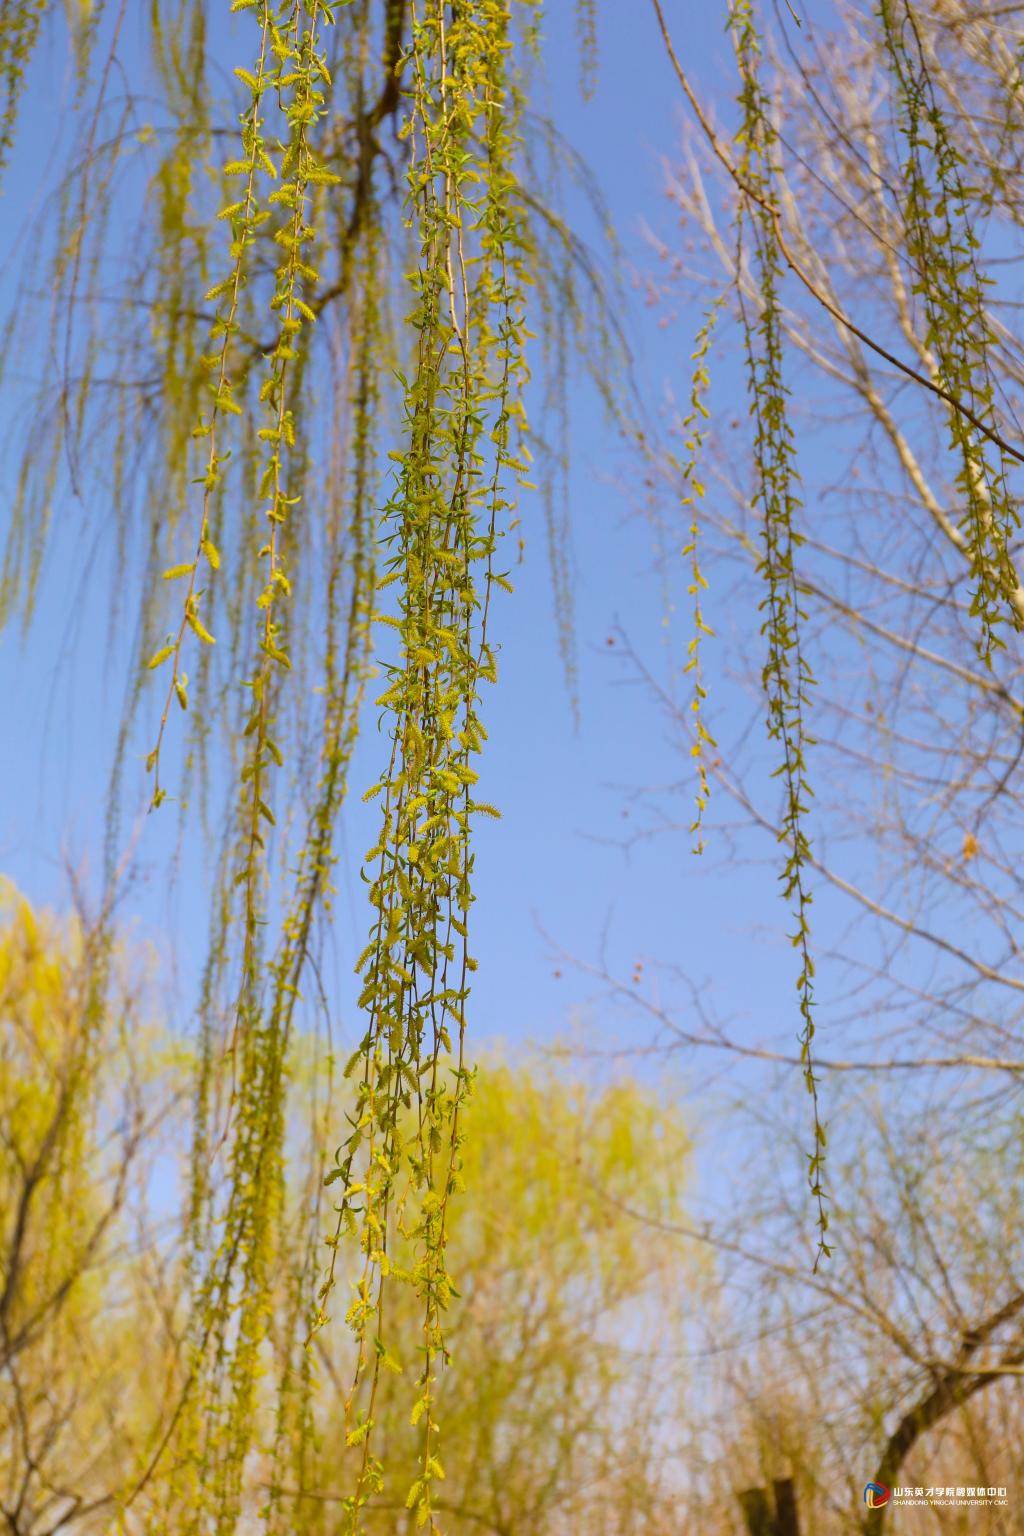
<point>906,1353</point>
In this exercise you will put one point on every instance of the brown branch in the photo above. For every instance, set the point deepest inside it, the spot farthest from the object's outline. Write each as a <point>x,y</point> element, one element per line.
<point>954,1387</point>
<point>33,1178</point>
<point>320,1496</point>
<point>808,282</point>
<point>718,1040</point>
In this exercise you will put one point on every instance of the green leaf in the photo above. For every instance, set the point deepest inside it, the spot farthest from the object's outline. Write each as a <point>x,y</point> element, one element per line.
<point>198,628</point>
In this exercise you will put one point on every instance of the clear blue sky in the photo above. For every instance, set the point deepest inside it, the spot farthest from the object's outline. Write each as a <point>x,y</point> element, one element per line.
<point>550,872</point>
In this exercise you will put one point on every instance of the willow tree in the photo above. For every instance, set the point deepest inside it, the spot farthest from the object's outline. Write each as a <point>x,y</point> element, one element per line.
<point>895,166</point>
<point>865,159</point>
<point>332,280</point>
<point>87,1093</point>
<point>295,389</point>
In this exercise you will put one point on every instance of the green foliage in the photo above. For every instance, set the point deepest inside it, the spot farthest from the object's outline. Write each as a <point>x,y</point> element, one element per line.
<point>570,1305</point>
<point>18,37</point>
<point>462,415</point>
<point>339,282</point>
<point>787,675</point>
<point>941,215</point>
<point>51,993</point>
<point>85,1081</point>
<point>253,368</point>
<point>292,190</point>
<point>693,424</point>
<point>562,1426</point>
<point>586,27</point>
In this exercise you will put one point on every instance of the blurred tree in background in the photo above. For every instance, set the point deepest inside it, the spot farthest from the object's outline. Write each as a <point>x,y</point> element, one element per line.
<point>563,1410</point>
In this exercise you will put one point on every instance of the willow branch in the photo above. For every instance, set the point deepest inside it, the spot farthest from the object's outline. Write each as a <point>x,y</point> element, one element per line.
<point>795,266</point>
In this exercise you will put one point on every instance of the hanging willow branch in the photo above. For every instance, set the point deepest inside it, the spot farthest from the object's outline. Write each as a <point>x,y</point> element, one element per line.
<point>691,477</point>
<point>398,1169</point>
<point>19,34</point>
<point>786,675</point>
<point>941,248</point>
<point>234,1289</point>
<point>721,152</point>
<point>245,218</point>
<point>227,395</point>
<point>941,243</point>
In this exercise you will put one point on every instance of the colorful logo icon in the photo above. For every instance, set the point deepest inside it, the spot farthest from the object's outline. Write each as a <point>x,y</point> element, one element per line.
<point>876,1495</point>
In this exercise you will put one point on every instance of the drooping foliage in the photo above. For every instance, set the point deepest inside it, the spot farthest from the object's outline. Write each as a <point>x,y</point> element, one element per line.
<point>942,203</point>
<point>942,217</point>
<point>85,1083</point>
<point>786,673</point>
<point>298,382</point>
<point>690,471</point>
<point>554,1429</point>
<point>296,385</point>
<point>463,415</point>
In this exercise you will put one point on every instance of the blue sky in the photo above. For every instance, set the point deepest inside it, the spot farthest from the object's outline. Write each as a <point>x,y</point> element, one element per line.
<point>554,874</point>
